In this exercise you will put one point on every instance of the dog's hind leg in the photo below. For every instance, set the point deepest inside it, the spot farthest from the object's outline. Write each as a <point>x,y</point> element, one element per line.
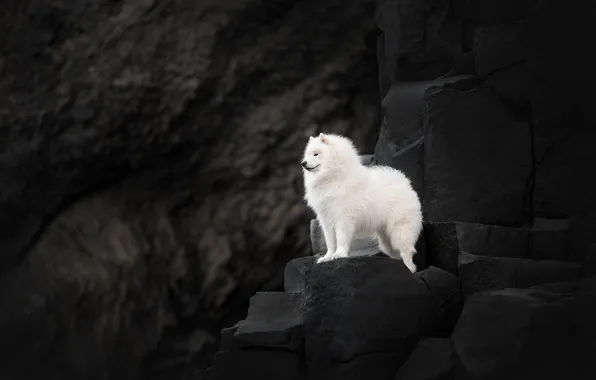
<point>403,237</point>
<point>384,243</point>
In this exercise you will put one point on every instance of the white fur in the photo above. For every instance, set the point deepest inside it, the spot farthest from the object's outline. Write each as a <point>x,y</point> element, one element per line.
<point>352,200</point>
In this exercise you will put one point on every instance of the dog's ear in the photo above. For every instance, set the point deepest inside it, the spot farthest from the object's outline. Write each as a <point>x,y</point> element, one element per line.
<point>323,138</point>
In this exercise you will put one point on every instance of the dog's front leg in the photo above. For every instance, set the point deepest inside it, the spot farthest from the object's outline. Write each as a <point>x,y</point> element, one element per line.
<point>344,233</point>
<point>330,240</point>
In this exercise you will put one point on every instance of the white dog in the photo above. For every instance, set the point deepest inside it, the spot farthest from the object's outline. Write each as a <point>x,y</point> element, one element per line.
<point>351,199</point>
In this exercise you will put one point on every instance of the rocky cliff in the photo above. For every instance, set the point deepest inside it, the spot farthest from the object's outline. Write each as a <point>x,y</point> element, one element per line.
<point>149,170</point>
<point>487,107</point>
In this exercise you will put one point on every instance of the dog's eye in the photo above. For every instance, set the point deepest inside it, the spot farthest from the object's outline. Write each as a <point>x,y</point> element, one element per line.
<point>316,154</point>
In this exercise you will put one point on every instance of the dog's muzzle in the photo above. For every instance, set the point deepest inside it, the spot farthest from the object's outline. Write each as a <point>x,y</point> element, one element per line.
<point>307,168</point>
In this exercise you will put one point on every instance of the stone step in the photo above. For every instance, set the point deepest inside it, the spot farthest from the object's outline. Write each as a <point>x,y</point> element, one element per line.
<point>546,239</point>
<point>480,273</point>
<point>274,320</point>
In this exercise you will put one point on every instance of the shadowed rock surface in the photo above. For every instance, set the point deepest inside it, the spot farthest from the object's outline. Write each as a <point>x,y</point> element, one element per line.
<point>149,170</point>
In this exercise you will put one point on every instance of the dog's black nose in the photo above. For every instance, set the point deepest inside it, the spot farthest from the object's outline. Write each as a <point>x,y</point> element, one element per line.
<point>303,164</point>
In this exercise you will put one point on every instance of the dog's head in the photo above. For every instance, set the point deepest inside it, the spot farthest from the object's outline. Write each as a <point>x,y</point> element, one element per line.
<point>330,153</point>
<point>316,154</point>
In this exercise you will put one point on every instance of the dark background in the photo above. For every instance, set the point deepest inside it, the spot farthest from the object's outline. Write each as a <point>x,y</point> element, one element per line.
<point>149,153</point>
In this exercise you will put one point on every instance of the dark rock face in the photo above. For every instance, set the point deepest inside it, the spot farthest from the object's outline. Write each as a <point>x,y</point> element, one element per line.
<point>484,181</point>
<point>419,40</point>
<point>502,165</point>
<point>401,140</point>
<point>515,147</point>
<point>149,162</point>
<point>483,111</point>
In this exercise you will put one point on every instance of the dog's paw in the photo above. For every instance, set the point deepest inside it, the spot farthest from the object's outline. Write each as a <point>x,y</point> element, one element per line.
<point>331,256</point>
<point>323,259</point>
<point>338,255</point>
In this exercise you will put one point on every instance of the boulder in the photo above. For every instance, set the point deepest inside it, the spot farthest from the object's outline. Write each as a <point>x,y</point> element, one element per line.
<point>543,332</point>
<point>357,306</point>
<point>430,360</point>
<point>479,273</point>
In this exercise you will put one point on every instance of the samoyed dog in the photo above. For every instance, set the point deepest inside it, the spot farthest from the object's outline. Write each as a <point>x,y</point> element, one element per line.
<point>353,200</point>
